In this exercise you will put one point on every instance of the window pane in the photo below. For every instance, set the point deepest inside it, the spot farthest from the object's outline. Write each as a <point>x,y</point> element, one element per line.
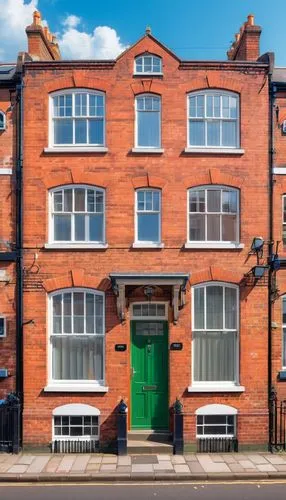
<point>213,227</point>
<point>147,64</point>
<point>200,106</point>
<point>79,200</point>
<point>233,107</point>
<point>209,105</point>
<point>214,356</point>
<point>148,227</point>
<point>148,125</point>
<point>79,228</point>
<point>63,131</point>
<point>229,228</point>
<point>58,201</point>
<point>213,198</point>
<point>225,106</point>
<point>214,307</point>
<point>99,201</point>
<point>78,303</point>
<point>229,201</point>
<point>90,200</point>
<point>284,348</point>
<point>197,133</point>
<point>229,133</point>
<point>213,133</point>
<point>197,201</point>
<point>96,131</point>
<point>197,227</point>
<point>80,131</point>
<point>230,308</point>
<point>77,358</point>
<point>148,200</point>
<point>192,107</point>
<point>199,308</point>
<point>156,201</point>
<point>215,419</point>
<point>96,227</point>
<point>68,200</point>
<point>62,227</point>
<point>216,106</point>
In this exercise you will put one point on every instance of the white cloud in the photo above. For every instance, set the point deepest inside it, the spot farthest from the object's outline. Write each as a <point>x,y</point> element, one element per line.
<point>102,43</point>
<point>75,43</point>
<point>15,15</point>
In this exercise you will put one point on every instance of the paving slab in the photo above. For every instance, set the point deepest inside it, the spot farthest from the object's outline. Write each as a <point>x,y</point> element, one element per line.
<point>110,467</point>
<point>95,460</point>
<point>66,464</point>
<point>142,468</point>
<point>178,459</point>
<point>38,464</point>
<point>80,463</point>
<point>124,461</point>
<point>181,468</point>
<point>163,466</point>
<point>236,467</point>
<point>17,469</point>
<point>191,458</point>
<point>144,459</point>
<point>92,467</point>
<point>257,459</point>
<point>123,468</point>
<point>196,468</point>
<point>209,466</point>
<point>276,460</point>
<point>109,460</point>
<point>26,460</point>
<point>280,468</point>
<point>246,464</point>
<point>266,468</point>
<point>229,459</point>
<point>162,458</point>
<point>53,464</point>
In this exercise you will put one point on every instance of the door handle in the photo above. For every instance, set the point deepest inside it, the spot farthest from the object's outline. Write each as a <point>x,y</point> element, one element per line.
<point>133,371</point>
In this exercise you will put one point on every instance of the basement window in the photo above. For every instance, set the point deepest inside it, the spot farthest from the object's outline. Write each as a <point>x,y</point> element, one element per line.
<point>2,326</point>
<point>2,120</point>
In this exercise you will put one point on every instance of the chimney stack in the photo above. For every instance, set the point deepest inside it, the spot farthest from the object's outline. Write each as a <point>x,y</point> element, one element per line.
<point>42,45</point>
<point>246,44</point>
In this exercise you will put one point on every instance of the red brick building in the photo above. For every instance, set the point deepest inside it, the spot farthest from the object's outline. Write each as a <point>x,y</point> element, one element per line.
<point>145,183</point>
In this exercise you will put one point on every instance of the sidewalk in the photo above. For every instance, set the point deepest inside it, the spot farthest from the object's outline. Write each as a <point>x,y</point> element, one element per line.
<point>97,467</point>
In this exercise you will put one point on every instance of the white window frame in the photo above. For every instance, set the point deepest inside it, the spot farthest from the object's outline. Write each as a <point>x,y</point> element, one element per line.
<point>283,218</point>
<point>283,337</point>
<point>142,243</point>
<point>152,64</point>
<point>5,326</point>
<point>138,146</point>
<point>75,410</point>
<point>151,318</point>
<point>55,385</point>
<point>213,243</point>
<point>73,145</point>
<point>214,410</point>
<point>73,243</point>
<point>216,92</point>
<point>216,384</point>
<point>4,121</point>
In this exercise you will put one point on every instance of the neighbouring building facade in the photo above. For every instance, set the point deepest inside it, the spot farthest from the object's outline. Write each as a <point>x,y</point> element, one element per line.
<point>145,185</point>
<point>8,303</point>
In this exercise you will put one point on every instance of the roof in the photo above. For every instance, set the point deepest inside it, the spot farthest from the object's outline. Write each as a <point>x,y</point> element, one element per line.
<point>279,75</point>
<point>7,71</point>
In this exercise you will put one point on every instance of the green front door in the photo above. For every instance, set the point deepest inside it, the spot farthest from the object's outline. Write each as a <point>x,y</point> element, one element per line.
<point>149,368</point>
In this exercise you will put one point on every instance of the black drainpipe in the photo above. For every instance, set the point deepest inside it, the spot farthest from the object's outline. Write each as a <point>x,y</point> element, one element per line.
<point>270,247</point>
<point>19,247</point>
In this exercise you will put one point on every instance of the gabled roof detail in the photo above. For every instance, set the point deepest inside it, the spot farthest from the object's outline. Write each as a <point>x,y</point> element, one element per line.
<point>157,42</point>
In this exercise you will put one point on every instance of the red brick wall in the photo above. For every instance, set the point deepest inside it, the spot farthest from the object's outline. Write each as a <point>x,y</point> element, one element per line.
<point>7,235</point>
<point>120,171</point>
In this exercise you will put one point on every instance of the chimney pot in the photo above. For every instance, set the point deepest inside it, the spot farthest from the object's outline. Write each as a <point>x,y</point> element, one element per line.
<point>250,20</point>
<point>237,37</point>
<point>37,18</point>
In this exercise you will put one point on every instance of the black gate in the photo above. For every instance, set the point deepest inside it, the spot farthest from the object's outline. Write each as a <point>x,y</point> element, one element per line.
<point>277,423</point>
<point>10,422</point>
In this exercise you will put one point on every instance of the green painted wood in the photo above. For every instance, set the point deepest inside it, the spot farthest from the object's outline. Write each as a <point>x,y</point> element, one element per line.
<point>149,385</point>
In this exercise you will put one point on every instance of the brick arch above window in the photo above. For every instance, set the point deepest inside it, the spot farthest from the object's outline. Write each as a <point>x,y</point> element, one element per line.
<point>77,81</point>
<point>148,181</point>
<point>214,176</point>
<point>147,86</point>
<point>76,278</point>
<point>75,176</point>
<point>215,82</point>
<point>215,273</point>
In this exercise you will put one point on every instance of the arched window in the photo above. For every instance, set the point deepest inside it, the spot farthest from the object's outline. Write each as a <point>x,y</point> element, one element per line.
<point>213,214</point>
<point>2,120</point>
<point>213,119</point>
<point>215,334</point>
<point>148,216</point>
<point>148,121</point>
<point>77,118</point>
<point>217,421</point>
<point>148,64</point>
<point>77,214</point>
<point>77,336</point>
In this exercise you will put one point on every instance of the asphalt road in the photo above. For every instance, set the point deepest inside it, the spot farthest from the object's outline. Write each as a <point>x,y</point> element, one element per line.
<point>234,491</point>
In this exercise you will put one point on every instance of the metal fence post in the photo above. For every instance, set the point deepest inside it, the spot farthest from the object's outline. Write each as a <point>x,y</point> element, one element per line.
<point>122,428</point>
<point>178,436</point>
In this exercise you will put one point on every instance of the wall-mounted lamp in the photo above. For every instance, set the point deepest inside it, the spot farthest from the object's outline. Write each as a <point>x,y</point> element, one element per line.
<point>259,271</point>
<point>149,292</point>
<point>257,244</point>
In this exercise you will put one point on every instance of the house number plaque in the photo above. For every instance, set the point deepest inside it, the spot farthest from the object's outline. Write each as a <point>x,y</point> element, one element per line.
<point>120,347</point>
<point>176,346</point>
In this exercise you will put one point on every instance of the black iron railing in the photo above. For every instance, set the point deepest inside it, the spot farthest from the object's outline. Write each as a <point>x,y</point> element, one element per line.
<point>217,445</point>
<point>10,424</point>
<point>75,446</point>
<point>277,423</point>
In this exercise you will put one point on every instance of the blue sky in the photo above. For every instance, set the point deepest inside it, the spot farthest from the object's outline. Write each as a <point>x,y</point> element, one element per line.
<point>193,29</point>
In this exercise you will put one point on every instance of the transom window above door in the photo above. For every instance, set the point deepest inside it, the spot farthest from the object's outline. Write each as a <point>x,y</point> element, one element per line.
<point>148,121</point>
<point>77,215</point>
<point>148,217</point>
<point>150,310</point>
<point>213,119</point>
<point>77,118</point>
<point>148,64</point>
<point>213,215</point>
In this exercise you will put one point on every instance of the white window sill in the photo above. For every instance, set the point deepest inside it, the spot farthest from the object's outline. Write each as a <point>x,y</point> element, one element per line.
<point>76,149</point>
<point>214,245</point>
<point>224,151</point>
<point>148,74</point>
<point>216,388</point>
<point>76,246</point>
<point>148,150</point>
<point>5,171</point>
<point>148,245</point>
<point>75,388</point>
